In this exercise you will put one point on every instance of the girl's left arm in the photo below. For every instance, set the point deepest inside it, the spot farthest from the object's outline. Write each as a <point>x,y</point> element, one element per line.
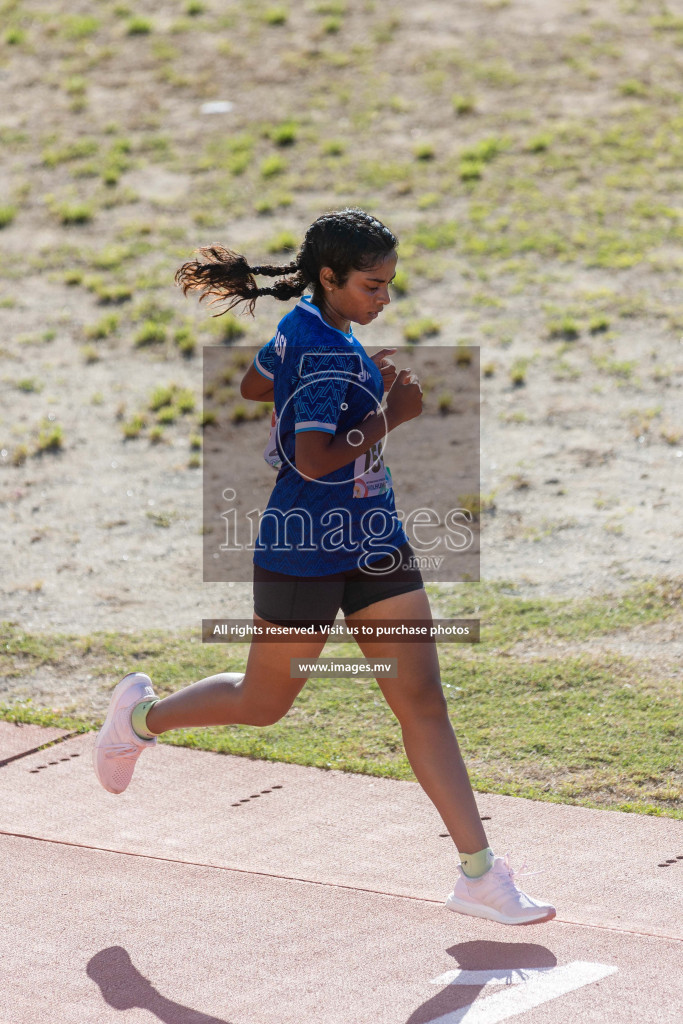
<point>256,387</point>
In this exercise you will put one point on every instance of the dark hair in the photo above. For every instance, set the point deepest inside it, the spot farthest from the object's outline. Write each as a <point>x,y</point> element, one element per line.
<point>346,240</point>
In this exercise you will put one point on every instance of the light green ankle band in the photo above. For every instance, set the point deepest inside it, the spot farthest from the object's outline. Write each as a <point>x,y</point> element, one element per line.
<point>139,718</point>
<point>474,865</point>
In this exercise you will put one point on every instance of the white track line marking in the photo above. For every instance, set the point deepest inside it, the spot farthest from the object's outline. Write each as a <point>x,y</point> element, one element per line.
<point>524,988</point>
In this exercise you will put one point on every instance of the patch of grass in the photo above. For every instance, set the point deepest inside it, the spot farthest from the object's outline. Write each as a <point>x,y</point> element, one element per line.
<point>333,147</point>
<point>20,454</point>
<point>7,215</point>
<point>29,385</point>
<point>486,150</point>
<point>476,504</point>
<point>185,400</point>
<point>285,241</point>
<point>139,26</point>
<point>50,437</point>
<point>385,31</point>
<point>90,354</point>
<point>592,730</point>
<point>162,519</point>
<point>162,395</point>
<point>515,416</point>
<point>78,26</point>
<point>518,372</point>
<point>208,418</point>
<point>519,482</point>
<point>442,235</point>
<point>104,328</point>
<point>424,151</point>
<point>228,328</point>
<point>336,7</point>
<point>621,368</point>
<point>563,327</point>
<point>185,340</point>
<point>416,330</point>
<point>563,370</point>
<point>401,283</point>
<point>275,16</point>
<point>15,36</point>
<point>272,165</point>
<point>379,174</point>
<point>79,149</point>
<point>170,401</point>
<point>239,414</point>
<point>133,427</point>
<point>470,170</point>
<point>269,203</point>
<point>73,213</point>
<point>670,434</point>
<point>667,22</point>
<point>76,85</point>
<point>599,324</point>
<point>150,333</point>
<point>632,87</point>
<point>463,105</point>
<point>332,25</point>
<point>167,414</point>
<point>428,199</point>
<point>539,143</point>
<point>284,134</point>
<point>511,617</point>
<point>113,294</point>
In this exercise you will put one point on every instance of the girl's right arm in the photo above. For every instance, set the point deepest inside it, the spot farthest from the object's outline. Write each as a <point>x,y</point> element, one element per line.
<point>317,453</point>
<point>256,387</point>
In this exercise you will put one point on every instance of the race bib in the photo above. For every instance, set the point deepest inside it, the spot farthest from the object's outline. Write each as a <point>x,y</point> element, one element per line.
<point>270,452</point>
<point>370,475</point>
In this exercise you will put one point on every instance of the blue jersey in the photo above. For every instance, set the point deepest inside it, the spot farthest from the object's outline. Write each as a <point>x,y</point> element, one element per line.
<point>324,380</point>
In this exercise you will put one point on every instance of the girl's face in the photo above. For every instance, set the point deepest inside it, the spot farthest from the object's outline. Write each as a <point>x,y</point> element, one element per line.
<point>361,298</point>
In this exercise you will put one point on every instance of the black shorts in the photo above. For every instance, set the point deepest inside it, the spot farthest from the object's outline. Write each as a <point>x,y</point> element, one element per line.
<point>315,600</point>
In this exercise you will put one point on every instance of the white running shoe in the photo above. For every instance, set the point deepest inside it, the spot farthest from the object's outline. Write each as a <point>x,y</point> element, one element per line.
<point>117,746</point>
<point>496,897</point>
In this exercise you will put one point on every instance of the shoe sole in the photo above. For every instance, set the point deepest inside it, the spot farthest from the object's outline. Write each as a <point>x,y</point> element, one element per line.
<point>113,707</point>
<point>489,914</point>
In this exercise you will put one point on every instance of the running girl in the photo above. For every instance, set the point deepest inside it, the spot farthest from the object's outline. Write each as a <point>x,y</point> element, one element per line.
<point>353,554</point>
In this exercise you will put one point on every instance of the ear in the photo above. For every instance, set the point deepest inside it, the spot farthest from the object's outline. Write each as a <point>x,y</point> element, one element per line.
<point>327,278</point>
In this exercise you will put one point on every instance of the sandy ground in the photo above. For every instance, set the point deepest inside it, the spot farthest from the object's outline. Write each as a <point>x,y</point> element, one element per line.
<point>583,489</point>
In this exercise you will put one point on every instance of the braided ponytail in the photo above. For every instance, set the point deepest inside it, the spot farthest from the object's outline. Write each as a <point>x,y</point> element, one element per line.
<point>227,275</point>
<point>270,270</point>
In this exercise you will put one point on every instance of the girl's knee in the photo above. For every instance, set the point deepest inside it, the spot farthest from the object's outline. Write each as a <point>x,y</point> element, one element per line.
<point>263,715</point>
<point>419,703</point>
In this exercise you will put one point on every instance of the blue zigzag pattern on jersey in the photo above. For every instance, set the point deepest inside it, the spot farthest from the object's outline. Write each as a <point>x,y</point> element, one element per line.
<point>324,380</point>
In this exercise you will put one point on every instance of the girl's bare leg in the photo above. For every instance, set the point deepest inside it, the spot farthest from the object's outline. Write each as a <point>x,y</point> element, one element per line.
<point>260,696</point>
<point>417,700</point>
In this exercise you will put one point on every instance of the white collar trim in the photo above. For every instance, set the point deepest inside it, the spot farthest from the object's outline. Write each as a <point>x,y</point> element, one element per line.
<point>305,303</point>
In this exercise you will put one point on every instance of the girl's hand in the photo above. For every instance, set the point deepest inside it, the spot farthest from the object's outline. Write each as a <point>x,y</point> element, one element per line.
<point>386,367</point>
<point>404,401</point>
